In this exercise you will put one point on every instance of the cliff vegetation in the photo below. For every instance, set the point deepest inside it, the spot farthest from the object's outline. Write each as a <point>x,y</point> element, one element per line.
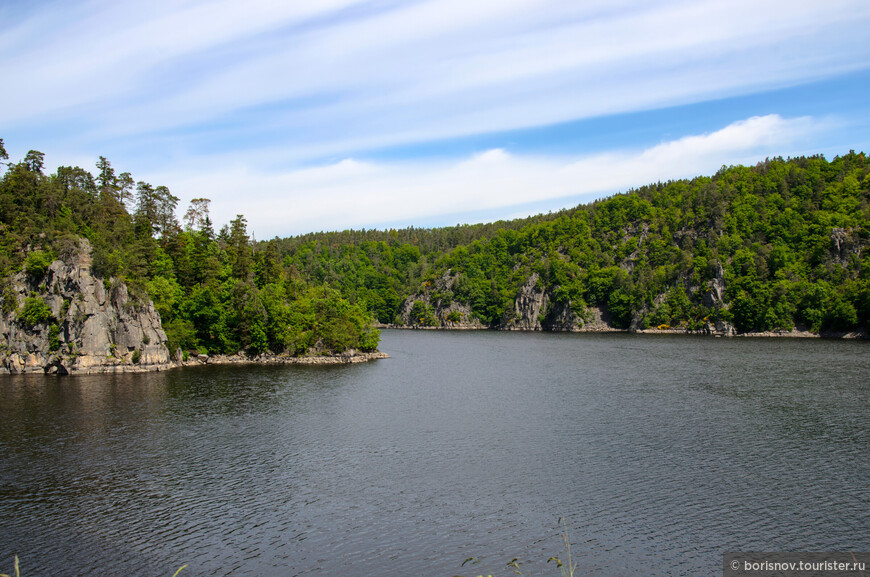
<point>82,252</point>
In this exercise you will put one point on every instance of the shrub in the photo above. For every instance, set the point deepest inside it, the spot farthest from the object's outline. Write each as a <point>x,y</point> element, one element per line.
<point>10,300</point>
<point>37,263</point>
<point>368,340</point>
<point>180,333</point>
<point>422,314</point>
<point>54,338</point>
<point>35,312</point>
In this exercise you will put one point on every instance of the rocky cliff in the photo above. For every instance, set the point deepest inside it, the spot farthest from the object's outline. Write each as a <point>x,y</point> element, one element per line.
<point>535,309</point>
<point>434,307</point>
<point>66,321</point>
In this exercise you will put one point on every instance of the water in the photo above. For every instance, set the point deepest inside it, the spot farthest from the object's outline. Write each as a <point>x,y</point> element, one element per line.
<point>660,452</point>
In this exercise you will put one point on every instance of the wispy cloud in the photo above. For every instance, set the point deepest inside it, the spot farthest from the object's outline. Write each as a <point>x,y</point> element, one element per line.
<point>256,103</point>
<point>358,194</point>
<point>342,76</point>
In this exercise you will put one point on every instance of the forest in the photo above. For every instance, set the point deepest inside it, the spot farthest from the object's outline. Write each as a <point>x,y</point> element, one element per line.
<point>786,239</point>
<point>216,292</point>
<point>770,247</point>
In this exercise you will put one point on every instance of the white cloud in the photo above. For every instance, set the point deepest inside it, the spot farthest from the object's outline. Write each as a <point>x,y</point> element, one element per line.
<point>339,76</point>
<point>356,194</point>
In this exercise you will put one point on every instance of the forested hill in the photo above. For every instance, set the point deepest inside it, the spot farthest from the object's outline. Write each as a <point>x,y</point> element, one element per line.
<point>215,293</point>
<point>776,246</point>
<point>427,240</point>
<point>779,245</point>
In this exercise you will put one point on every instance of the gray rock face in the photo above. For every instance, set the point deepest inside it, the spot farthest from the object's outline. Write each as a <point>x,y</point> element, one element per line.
<point>94,329</point>
<point>534,310</point>
<point>530,307</point>
<point>845,244</point>
<point>447,312</point>
<point>715,292</point>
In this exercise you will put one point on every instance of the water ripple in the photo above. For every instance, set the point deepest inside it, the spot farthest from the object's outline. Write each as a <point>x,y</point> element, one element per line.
<point>661,452</point>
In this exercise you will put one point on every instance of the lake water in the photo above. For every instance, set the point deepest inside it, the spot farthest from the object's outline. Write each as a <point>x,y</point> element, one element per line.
<point>660,452</point>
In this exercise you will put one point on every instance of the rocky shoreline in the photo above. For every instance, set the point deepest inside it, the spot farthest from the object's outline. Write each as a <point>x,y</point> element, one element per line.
<point>30,364</point>
<point>712,331</point>
<point>345,358</point>
<point>65,321</point>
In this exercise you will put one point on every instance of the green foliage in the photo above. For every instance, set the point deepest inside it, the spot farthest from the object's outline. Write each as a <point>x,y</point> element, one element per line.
<point>213,292</point>
<point>136,357</point>
<point>180,333</point>
<point>786,239</point>
<point>9,300</point>
<point>53,338</point>
<point>34,312</point>
<point>37,263</point>
<point>167,294</point>
<point>423,315</point>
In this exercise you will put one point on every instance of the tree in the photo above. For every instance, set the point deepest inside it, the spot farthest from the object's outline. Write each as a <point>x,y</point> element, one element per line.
<point>156,207</point>
<point>267,265</point>
<point>146,206</point>
<point>124,189</point>
<point>196,217</point>
<point>166,204</point>
<point>239,248</point>
<point>73,178</point>
<point>105,177</point>
<point>34,161</point>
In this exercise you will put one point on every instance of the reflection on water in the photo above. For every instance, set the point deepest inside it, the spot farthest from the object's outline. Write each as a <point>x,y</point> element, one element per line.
<point>662,453</point>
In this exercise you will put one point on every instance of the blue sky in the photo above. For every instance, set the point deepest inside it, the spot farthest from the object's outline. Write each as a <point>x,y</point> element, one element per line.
<point>307,116</point>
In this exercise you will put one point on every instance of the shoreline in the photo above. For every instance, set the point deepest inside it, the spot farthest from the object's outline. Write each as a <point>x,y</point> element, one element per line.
<point>31,366</point>
<point>792,334</point>
<point>62,366</point>
<point>346,358</point>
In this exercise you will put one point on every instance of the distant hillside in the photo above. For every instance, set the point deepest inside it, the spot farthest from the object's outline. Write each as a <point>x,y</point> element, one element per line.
<point>774,247</point>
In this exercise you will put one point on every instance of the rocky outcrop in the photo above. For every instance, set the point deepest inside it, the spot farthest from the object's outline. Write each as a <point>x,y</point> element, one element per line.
<point>714,289</point>
<point>846,244</point>
<point>67,322</point>
<point>433,307</point>
<point>534,310</point>
<point>530,307</point>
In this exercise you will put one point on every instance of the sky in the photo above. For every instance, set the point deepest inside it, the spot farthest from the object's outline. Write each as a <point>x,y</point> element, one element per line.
<point>335,114</point>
